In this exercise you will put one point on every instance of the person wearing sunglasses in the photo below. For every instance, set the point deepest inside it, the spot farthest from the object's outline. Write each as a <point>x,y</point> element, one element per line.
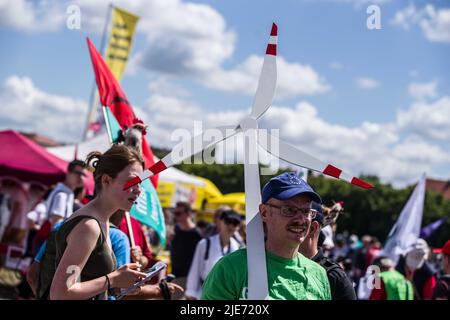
<point>60,201</point>
<point>183,244</point>
<point>286,211</point>
<point>210,250</point>
<point>340,284</point>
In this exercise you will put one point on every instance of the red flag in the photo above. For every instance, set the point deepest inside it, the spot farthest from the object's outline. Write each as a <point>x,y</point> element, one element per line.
<point>112,96</point>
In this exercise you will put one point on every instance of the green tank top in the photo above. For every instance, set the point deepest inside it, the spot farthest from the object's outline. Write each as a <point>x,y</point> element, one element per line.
<point>101,261</point>
<point>397,286</point>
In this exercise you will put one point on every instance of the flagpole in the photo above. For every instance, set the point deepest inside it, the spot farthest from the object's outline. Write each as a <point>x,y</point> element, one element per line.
<point>130,229</point>
<point>94,93</point>
<point>108,129</point>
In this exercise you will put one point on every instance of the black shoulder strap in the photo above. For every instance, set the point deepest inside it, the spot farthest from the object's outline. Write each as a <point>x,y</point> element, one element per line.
<point>77,219</point>
<point>237,240</point>
<point>208,244</point>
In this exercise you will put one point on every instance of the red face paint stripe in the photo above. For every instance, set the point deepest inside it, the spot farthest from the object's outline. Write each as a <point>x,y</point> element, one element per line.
<point>274,30</point>
<point>271,49</point>
<point>132,182</point>
<point>332,171</point>
<point>158,167</point>
<point>361,183</point>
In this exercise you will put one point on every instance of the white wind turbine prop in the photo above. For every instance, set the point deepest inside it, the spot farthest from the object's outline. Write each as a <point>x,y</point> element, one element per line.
<point>256,255</point>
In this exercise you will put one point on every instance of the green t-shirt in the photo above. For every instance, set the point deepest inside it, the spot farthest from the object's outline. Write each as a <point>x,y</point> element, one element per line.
<point>288,279</point>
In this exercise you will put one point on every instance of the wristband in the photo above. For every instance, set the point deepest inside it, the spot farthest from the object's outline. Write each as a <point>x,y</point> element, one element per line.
<point>165,290</point>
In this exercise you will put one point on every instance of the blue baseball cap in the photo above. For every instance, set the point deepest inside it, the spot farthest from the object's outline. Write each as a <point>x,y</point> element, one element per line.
<point>286,186</point>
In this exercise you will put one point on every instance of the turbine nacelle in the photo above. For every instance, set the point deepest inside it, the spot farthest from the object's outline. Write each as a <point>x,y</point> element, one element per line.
<point>248,123</point>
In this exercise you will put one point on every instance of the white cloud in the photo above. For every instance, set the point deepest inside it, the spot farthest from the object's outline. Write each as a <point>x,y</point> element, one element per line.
<point>292,78</point>
<point>436,26</point>
<point>192,40</point>
<point>182,38</point>
<point>430,120</point>
<point>165,86</point>
<point>434,23</point>
<point>31,16</point>
<point>367,83</point>
<point>421,91</point>
<point>406,17</point>
<point>25,107</point>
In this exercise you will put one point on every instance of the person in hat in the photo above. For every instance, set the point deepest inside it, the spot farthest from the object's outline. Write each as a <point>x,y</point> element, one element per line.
<point>210,250</point>
<point>182,245</point>
<point>393,285</point>
<point>442,290</point>
<point>415,267</point>
<point>340,284</point>
<point>286,211</point>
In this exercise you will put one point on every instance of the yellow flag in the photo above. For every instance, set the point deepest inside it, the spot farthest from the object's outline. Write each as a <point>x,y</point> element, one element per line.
<point>120,40</point>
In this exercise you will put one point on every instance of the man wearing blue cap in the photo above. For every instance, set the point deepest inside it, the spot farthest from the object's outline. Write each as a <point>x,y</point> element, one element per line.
<point>286,211</point>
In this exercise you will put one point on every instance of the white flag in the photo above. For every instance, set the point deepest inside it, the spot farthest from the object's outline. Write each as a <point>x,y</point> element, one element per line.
<point>407,228</point>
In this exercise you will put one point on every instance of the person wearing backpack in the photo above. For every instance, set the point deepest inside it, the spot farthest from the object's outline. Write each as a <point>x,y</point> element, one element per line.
<point>209,250</point>
<point>86,267</point>
<point>442,290</point>
<point>340,284</point>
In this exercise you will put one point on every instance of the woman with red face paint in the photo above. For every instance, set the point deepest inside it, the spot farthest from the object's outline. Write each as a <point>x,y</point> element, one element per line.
<point>86,265</point>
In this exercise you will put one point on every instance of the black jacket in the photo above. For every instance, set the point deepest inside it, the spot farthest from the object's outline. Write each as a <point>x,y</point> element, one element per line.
<point>340,284</point>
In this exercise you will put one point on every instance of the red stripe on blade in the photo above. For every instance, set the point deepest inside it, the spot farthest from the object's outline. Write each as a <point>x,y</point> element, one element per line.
<point>132,182</point>
<point>332,171</point>
<point>158,167</point>
<point>274,30</point>
<point>361,183</point>
<point>271,49</point>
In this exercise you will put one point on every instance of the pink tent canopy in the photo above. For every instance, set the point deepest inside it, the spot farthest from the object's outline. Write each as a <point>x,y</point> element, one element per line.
<point>27,161</point>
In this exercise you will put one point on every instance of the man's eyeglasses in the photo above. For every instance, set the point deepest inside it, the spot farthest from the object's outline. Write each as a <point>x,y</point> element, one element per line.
<point>79,173</point>
<point>290,212</point>
<point>177,213</point>
<point>233,222</point>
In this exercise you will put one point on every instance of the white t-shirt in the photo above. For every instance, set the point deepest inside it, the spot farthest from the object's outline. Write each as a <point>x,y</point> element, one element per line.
<point>328,232</point>
<point>60,201</point>
<point>200,267</point>
<point>38,214</point>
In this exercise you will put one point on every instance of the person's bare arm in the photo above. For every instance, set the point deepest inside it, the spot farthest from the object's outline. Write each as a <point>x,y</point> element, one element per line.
<point>33,275</point>
<point>16,208</point>
<point>80,244</point>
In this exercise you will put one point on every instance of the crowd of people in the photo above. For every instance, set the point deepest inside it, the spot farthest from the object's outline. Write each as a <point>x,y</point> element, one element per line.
<point>81,246</point>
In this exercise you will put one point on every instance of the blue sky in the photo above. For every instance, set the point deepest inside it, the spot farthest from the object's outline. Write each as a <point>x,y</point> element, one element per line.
<point>354,82</point>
